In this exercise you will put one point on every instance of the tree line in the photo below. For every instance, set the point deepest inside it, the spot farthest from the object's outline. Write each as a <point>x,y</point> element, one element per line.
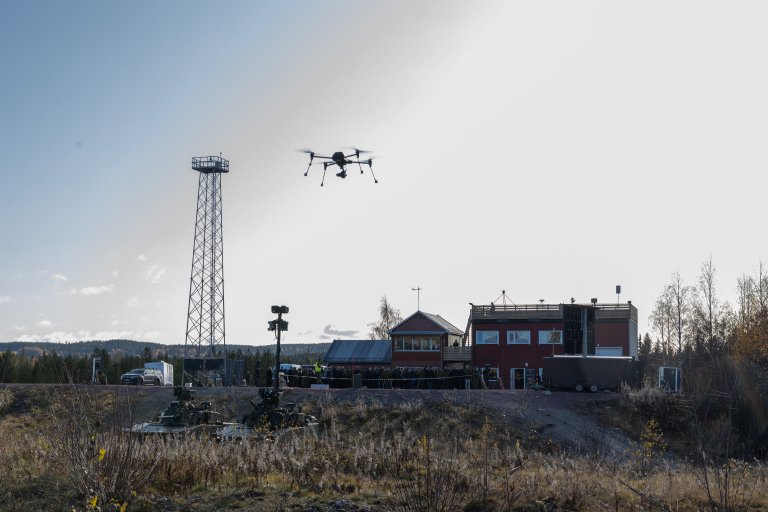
<point>52,368</point>
<point>723,352</point>
<point>690,320</point>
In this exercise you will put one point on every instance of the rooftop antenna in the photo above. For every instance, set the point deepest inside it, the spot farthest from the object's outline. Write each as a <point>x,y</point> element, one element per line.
<point>504,299</point>
<point>618,293</point>
<point>418,297</point>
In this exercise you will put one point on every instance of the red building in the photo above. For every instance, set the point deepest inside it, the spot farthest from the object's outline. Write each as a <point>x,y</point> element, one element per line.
<point>512,340</point>
<point>425,340</point>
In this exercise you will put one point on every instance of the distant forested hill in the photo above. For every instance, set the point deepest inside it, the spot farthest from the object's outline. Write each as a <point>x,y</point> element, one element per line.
<point>118,348</point>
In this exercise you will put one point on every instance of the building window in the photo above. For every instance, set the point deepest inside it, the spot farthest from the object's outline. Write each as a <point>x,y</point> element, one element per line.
<point>550,337</point>
<point>418,343</point>
<point>427,343</point>
<point>487,337</point>
<point>518,337</point>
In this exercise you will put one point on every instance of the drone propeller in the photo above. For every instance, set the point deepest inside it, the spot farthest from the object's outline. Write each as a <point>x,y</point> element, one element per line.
<point>357,150</point>
<point>305,150</point>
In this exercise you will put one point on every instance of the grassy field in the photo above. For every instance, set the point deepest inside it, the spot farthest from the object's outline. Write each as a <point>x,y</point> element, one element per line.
<point>64,449</point>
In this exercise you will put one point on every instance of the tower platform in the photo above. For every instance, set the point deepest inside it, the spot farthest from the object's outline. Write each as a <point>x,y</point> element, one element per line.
<point>209,164</point>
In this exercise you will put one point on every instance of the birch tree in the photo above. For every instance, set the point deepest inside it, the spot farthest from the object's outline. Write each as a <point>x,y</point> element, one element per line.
<point>388,318</point>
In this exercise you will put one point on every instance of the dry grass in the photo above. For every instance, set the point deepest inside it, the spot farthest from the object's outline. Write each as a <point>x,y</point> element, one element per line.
<point>6,398</point>
<point>437,457</point>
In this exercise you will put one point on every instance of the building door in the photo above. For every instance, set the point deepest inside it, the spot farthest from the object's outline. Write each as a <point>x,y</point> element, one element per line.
<point>517,378</point>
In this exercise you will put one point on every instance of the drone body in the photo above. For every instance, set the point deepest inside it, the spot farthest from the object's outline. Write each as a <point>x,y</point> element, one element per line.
<point>340,160</point>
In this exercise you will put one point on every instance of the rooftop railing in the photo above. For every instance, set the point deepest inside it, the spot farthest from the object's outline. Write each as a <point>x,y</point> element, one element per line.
<point>493,310</point>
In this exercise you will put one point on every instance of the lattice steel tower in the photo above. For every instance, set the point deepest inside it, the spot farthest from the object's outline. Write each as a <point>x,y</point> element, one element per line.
<point>205,313</point>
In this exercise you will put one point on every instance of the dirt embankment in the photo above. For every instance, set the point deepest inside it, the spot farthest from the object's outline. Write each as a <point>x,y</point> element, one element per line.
<point>571,420</point>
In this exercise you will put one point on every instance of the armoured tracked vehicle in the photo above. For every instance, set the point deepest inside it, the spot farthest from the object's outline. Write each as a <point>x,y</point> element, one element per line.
<point>268,417</point>
<point>181,417</point>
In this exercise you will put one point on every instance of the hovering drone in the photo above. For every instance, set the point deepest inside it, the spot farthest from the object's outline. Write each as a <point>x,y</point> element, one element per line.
<point>341,160</point>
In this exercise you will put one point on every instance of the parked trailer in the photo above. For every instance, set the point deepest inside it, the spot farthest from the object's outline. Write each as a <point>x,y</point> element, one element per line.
<point>164,368</point>
<point>592,373</point>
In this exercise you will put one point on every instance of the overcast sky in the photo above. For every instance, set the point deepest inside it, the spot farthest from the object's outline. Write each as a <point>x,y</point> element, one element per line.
<point>551,149</point>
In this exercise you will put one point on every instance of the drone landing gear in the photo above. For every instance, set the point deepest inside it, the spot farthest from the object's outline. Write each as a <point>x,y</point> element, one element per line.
<point>325,168</point>
<point>311,157</point>
<point>370,167</point>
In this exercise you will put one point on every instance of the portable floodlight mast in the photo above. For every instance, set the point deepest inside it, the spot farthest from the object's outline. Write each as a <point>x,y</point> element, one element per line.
<point>205,312</point>
<point>278,325</point>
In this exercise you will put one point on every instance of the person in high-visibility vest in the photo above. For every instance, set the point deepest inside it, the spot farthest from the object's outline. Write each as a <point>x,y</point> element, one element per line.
<point>318,370</point>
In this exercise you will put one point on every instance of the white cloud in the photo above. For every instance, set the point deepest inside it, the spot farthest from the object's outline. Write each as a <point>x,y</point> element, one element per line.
<point>127,335</point>
<point>154,274</point>
<point>141,257</point>
<point>132,302</point>
<point>93,290</point>
<point>18,328</point>
<point>114,273</point>
<point>29,338</point>
<point>59,277</point>
<point>44,323</point>
<point>5,298</point>
<point>82,335</point>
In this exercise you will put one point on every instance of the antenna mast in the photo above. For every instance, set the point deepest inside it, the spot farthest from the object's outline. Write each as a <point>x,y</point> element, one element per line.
<point>205,311</point>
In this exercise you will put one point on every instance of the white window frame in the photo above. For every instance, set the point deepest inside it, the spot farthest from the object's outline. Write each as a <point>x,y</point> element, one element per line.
<point>612,349</point>
<point>419,343</point>
<point>547,333</point>
<point>480,337</point>
<point>514,334</point>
